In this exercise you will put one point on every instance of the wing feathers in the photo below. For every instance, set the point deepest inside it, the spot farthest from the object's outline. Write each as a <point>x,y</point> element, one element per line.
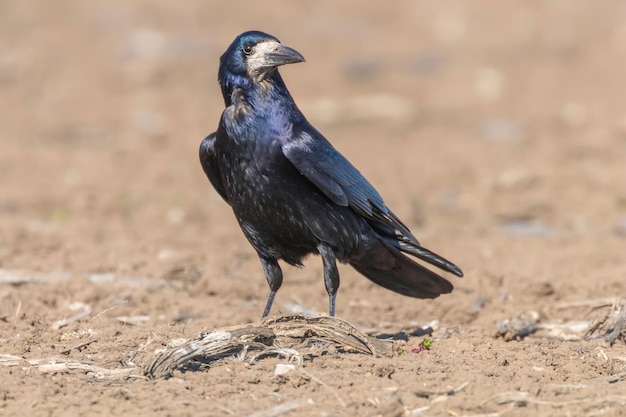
<point>315,158</point>
<point>209,164</point>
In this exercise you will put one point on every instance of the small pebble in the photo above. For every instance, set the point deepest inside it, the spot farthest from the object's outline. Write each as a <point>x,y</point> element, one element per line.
<point>283,369</point>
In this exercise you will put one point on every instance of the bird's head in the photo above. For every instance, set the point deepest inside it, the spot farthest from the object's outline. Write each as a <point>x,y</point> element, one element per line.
<point>256,55</point>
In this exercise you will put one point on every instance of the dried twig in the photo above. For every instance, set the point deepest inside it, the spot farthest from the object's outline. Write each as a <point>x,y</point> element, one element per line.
<point>522,397</point>
<point>10,360</point>
<point>17,312</point>
<point>56,364</point>
<point>78,346</point>
<point>96,371</point>
<point>133,320</point>
<point>107,310</point>
<point>595,303</point>
<point>19,277</point>
<point>449,392</point>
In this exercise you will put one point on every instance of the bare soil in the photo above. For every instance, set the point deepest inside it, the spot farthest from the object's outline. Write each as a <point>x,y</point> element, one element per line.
<point>496,130</point>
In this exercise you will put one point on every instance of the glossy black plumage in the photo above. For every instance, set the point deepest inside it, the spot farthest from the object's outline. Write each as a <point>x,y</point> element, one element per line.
<point>293,193</point>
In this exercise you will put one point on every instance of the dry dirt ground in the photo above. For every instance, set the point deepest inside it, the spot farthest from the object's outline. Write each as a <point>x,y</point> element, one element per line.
<point>496,130</point>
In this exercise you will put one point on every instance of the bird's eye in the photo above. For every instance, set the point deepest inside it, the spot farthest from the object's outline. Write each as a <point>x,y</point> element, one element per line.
<point>247,49</point>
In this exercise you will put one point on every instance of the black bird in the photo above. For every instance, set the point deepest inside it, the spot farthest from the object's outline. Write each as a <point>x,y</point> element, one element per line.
<point>293,193</point>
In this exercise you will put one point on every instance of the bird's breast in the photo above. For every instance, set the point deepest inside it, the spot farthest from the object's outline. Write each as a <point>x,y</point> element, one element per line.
<point>262,188</point>
<point>279,210</point>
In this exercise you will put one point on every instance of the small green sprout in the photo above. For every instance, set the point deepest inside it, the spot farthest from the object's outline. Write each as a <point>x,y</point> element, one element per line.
<point>424,345</point>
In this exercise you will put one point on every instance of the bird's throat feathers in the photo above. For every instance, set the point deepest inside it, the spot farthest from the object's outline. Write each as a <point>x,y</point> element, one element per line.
<point>243,95</point>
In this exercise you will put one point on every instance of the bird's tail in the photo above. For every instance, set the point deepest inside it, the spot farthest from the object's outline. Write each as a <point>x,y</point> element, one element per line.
<point>386,265</point>
<point>424,254</point>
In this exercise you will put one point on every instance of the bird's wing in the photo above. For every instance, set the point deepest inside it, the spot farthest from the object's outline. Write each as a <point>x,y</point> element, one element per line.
<point>209,164</point>
<point>316,159</point>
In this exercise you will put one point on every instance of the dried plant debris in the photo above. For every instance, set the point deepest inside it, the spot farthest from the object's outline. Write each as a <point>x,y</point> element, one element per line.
<point>518,328</point>
<point>555,395</point>
<point>284,336</point>
<point>448,392</point>
<point>18,277</point>
<point>612,326</point>
<point>54,365</point>
<point>594,319</point>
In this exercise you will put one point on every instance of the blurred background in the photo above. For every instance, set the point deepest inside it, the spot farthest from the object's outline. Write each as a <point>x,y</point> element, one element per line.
<point>496,130</point>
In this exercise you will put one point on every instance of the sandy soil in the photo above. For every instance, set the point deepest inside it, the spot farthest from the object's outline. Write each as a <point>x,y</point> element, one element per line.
<point>496,130</point>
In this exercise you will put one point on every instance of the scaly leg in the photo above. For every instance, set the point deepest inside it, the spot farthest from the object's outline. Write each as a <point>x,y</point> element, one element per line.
<point>274,276</point>
<point>331,275</point>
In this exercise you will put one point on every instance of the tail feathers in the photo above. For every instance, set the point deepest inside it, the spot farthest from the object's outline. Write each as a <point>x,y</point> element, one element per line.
<point>407,278</point>
<point>425,255</point>
<point>400,274</point>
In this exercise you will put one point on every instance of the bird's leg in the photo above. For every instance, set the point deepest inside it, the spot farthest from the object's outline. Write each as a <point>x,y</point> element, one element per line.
<point>331,275</point>
<point>274,276</point>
